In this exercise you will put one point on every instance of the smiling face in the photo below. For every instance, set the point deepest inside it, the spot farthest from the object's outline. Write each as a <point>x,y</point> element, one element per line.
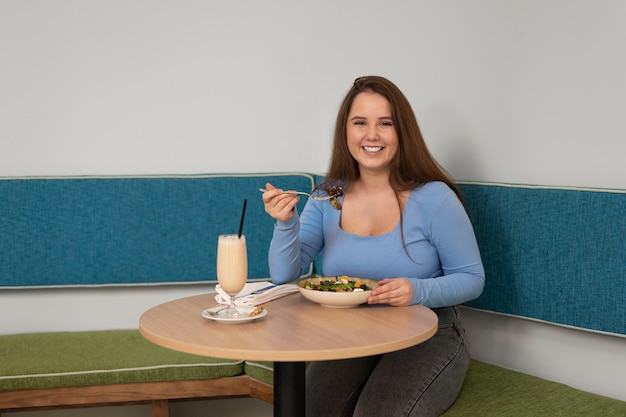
<point>371,134</point>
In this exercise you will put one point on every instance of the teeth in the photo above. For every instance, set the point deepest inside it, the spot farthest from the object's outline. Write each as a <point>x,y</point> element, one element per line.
<point>373,148</point>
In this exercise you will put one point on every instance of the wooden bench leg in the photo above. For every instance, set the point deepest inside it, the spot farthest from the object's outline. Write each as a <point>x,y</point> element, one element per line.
<point>160,408</point>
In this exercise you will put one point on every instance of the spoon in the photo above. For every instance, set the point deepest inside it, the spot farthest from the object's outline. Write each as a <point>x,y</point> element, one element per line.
<point>213,312</point>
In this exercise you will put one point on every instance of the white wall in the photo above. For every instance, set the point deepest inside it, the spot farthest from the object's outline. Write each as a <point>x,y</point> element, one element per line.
<point>506,91</point>
<point>527,92</point>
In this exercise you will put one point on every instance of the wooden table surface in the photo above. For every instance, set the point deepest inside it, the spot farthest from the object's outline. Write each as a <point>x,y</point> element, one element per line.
<point>295,329</point>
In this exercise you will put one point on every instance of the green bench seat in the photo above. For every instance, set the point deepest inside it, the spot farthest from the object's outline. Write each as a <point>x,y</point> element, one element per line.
<point>492,391</point>
<point>113,367</point>
<point>124,361</point>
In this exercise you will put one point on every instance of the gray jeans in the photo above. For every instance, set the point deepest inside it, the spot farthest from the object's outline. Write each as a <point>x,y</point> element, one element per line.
<point>420,381</point>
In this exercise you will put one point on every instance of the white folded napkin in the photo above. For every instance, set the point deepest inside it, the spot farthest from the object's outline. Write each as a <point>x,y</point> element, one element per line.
<point>255,293</point>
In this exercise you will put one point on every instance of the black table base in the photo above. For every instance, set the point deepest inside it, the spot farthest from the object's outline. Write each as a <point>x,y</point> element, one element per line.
<point>289,389</point>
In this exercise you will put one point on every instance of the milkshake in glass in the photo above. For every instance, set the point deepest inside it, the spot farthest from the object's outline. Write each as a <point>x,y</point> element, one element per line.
<point>232,268</point>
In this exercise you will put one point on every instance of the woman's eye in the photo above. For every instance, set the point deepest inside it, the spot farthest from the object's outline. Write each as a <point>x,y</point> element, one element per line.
<point>386,123</point>
<point>359,122</point>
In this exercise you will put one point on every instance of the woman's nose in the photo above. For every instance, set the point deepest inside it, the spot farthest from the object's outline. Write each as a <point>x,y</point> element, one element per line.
<point>372,132</point>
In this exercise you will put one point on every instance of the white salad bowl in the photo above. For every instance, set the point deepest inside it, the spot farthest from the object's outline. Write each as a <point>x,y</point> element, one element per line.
<point>336,299</point>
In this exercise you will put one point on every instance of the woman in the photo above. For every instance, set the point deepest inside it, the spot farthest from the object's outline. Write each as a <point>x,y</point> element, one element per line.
<point>401,222</point>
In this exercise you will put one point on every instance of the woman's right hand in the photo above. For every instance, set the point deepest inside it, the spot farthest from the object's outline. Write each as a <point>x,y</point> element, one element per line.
<point>279,204</point>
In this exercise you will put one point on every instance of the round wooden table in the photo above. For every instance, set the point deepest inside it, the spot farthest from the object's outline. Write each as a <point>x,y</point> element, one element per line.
<point>295,330</point>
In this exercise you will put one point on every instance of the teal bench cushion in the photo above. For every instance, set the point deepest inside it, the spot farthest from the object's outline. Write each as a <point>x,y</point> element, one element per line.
<point>552,254</point>
<point>131,230</point>
<point>67,359</point>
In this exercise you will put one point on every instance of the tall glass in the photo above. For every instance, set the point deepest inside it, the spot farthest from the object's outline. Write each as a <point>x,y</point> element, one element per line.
<point>232,268</point>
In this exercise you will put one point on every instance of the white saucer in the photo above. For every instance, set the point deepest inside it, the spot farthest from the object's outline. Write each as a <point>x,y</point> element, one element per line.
<point>245,315</point>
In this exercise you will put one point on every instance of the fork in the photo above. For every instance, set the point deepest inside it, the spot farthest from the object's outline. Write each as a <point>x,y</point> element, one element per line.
<point>314,197</point>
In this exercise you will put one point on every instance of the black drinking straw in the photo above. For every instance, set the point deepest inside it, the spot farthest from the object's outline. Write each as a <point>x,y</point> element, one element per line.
<point>243,214</point>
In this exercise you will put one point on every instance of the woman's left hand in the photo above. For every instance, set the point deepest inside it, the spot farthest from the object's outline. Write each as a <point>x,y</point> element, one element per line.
<point>392,291</point>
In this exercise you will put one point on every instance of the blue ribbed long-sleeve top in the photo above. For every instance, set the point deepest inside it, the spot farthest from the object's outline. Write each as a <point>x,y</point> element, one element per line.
<point>441,260</point>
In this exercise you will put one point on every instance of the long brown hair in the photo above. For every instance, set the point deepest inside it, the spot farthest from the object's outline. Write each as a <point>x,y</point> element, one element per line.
<point>413,164</point>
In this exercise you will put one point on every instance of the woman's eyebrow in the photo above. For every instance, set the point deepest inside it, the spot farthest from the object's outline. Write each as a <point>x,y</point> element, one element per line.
<point>363,117</point>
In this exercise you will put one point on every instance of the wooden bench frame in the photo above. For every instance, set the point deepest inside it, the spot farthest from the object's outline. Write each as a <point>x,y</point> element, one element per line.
<point>157,394</point>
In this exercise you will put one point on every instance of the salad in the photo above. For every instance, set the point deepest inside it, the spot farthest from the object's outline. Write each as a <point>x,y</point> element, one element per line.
<point>339,284</point>
<point>335,192</point>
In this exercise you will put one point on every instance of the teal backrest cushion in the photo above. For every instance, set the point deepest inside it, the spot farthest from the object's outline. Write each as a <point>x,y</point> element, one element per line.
<point>130,230</point>
<point>552,254</point>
